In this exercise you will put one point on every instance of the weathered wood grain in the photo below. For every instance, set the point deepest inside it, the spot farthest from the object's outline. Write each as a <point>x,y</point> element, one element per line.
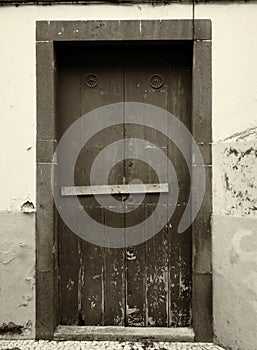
<point>114,189</point>
<point>180,243</point>
<point>105,286</point>
<point>69,263</point>
<point>148,284</point>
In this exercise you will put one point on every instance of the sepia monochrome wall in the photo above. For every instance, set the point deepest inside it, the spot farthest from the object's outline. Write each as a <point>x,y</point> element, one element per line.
<point>234,121</point>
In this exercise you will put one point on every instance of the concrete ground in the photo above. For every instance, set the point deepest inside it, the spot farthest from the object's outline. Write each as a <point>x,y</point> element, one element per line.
<point>102,345</point>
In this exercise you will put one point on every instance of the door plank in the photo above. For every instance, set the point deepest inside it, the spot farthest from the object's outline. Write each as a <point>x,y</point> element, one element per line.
<point>91,288</point>
<point>68,242</point>
<point>181,244</point>
<point>114,281</point>
<point>108,289</point>
<point>134,169</point>
<point>156,249</point>
<point>157,253</point>
<point>152,266</point>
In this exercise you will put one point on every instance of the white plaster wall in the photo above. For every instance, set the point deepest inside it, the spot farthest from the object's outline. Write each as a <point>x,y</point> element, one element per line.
<point>234,173</point>
<point>234,111</point>
<point>234,29</point>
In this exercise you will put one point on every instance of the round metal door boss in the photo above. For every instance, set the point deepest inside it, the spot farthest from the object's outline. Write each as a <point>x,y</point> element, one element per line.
<point>144,115</point>
<point>91,80</point>
<point>156,81</point>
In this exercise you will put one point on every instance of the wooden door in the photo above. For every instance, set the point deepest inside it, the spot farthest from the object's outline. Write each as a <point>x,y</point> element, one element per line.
<point>148,284</point>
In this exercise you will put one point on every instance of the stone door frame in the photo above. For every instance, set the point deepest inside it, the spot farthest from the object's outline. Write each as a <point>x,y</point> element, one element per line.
<point>198,32</point>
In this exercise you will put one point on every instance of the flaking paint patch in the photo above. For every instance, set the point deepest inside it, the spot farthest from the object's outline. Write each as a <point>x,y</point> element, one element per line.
<point>13,330</point>
<point>81,276</point>
<point>247,135</point>
<point>17,263</point>
<point>235,176</point>
<point>234,230</point>
<point>10,329</point>
<point>28,207</point>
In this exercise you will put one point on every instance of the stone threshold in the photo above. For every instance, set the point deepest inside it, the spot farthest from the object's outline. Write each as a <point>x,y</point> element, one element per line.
<point>111,333</point>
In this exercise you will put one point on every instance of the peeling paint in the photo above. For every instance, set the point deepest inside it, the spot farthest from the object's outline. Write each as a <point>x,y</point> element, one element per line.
<point>250,134</point>
<point>17,274</point>
<point>70,284</point>
<point>28,207</point>
<point>10,328</point>
<point>239,181</point>
<point>81,275</point>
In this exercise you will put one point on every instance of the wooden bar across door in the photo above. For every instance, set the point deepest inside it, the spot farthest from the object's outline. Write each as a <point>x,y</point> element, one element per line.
<point>114,189</point>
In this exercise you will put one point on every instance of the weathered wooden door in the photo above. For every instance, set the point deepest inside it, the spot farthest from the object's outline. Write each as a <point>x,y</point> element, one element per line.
<point>148,284</point>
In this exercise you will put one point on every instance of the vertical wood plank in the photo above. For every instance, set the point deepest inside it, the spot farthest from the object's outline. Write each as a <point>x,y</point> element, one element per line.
<point>92,276</point>
<point>180,244</point>
<point>157,247</point>
<point>114,297</point>
<point>134,169</point>
<point>148,271</point>
<point>103,290</point>
<point>68,112</point>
